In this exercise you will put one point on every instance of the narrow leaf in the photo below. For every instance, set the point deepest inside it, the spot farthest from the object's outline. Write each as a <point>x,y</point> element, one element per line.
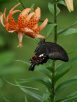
<point>69,98</point>
<point>30,93</point>
<point>66,84</point>
<point>69,31</point>
<point>44,81</point>
<point>44,70</point>
<point>61,73</point>
<point>64,65</point>
<point>65,29</point>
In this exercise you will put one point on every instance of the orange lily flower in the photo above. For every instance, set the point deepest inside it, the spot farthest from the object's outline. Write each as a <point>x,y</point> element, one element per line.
<point>27,23</point>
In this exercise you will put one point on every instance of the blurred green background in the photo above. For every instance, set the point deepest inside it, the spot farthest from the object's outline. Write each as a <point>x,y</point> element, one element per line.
<point>11,69</point>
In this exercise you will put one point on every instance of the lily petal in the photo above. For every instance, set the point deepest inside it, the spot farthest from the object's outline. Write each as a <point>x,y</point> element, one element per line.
<point>39,36</point>
<point>30,16</point>
<point>1,20</point>
<point>35,27</point>
<point>42,26</point>
<point>22,17</point>
<point>37,13</point>
<point>25,12</point>
<point>15,11</point>
<point>15,7</point>
<point>20,37</point>
<point>69,4</point>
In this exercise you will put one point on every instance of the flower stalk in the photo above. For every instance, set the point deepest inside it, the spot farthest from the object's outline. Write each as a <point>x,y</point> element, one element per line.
<point>53,63</point>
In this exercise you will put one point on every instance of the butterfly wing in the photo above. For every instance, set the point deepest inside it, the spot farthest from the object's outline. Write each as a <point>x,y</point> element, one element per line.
<point>56,52</point>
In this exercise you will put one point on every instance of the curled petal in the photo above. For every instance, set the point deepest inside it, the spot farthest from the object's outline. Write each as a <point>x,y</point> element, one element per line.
<point>30,16</point>
<point>37,13</point>
<point>69,4</point>
<point>12,31</point>
<point>1,19</point>
<point>4,14</point>
<point>4,18</point>
<point>15,7</point>
<point>32,34</point>
<point>42,26</point>
<point>29,32</point>
<point>39,36</point>
<point>35,19</point>
<point>15,11</point>
<point>20,37</point>
<point>25,12</point>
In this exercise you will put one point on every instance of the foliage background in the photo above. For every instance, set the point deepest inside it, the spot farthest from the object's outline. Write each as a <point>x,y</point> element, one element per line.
<point>11,70</point>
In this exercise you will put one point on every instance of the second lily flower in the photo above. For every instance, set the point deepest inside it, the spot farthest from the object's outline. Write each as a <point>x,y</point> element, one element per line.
<point>27,23</point>
<point>69,4</point>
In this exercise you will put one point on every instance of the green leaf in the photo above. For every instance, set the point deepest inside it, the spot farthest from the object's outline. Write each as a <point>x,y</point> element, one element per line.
<point>16,85</point>
<point>65,29</point>
<point>69,98</point>
<point>61,2</point>
<point>65,84</point>
<point>46,97</point>
<point>44,81</point>
<point>44,70</point>
<point>6,58</point>
<point>30,92</point>
<point>51,8</point>
<point>64,65</point>
<point>49,29</point>
<point>69,31</point>
<point>60,74</point>
<point>22,61</point>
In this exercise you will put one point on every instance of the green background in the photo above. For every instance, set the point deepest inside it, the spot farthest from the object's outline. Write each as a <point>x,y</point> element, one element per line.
<point>11,70</point>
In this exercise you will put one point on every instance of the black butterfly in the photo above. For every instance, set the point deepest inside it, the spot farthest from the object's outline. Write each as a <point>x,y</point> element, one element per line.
<point>47,50</point>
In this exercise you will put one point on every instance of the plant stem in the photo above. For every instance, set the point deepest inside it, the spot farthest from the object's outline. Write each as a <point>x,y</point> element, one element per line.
<point>55,21</point>
<point>53,63</point>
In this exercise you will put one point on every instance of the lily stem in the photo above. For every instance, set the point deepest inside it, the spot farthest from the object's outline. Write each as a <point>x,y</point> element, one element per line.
<point>53,63</point>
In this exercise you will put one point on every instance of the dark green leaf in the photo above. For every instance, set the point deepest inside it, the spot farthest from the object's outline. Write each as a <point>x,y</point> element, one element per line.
<point>46,97</point>
<point>44,81</point>
<point>69,31</point>
<point>44,70</point>
<point>66,84</point>
<point>51,8</point>
<point>30,92</point>
<point>70,98</point>
<point>61,2</point>
<point>49,29</point>
<point>64,65</point>
<point>60,74</point>
<point>65,29</point>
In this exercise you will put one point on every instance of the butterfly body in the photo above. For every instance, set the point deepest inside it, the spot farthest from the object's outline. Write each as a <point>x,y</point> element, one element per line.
<point>48,50</point>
